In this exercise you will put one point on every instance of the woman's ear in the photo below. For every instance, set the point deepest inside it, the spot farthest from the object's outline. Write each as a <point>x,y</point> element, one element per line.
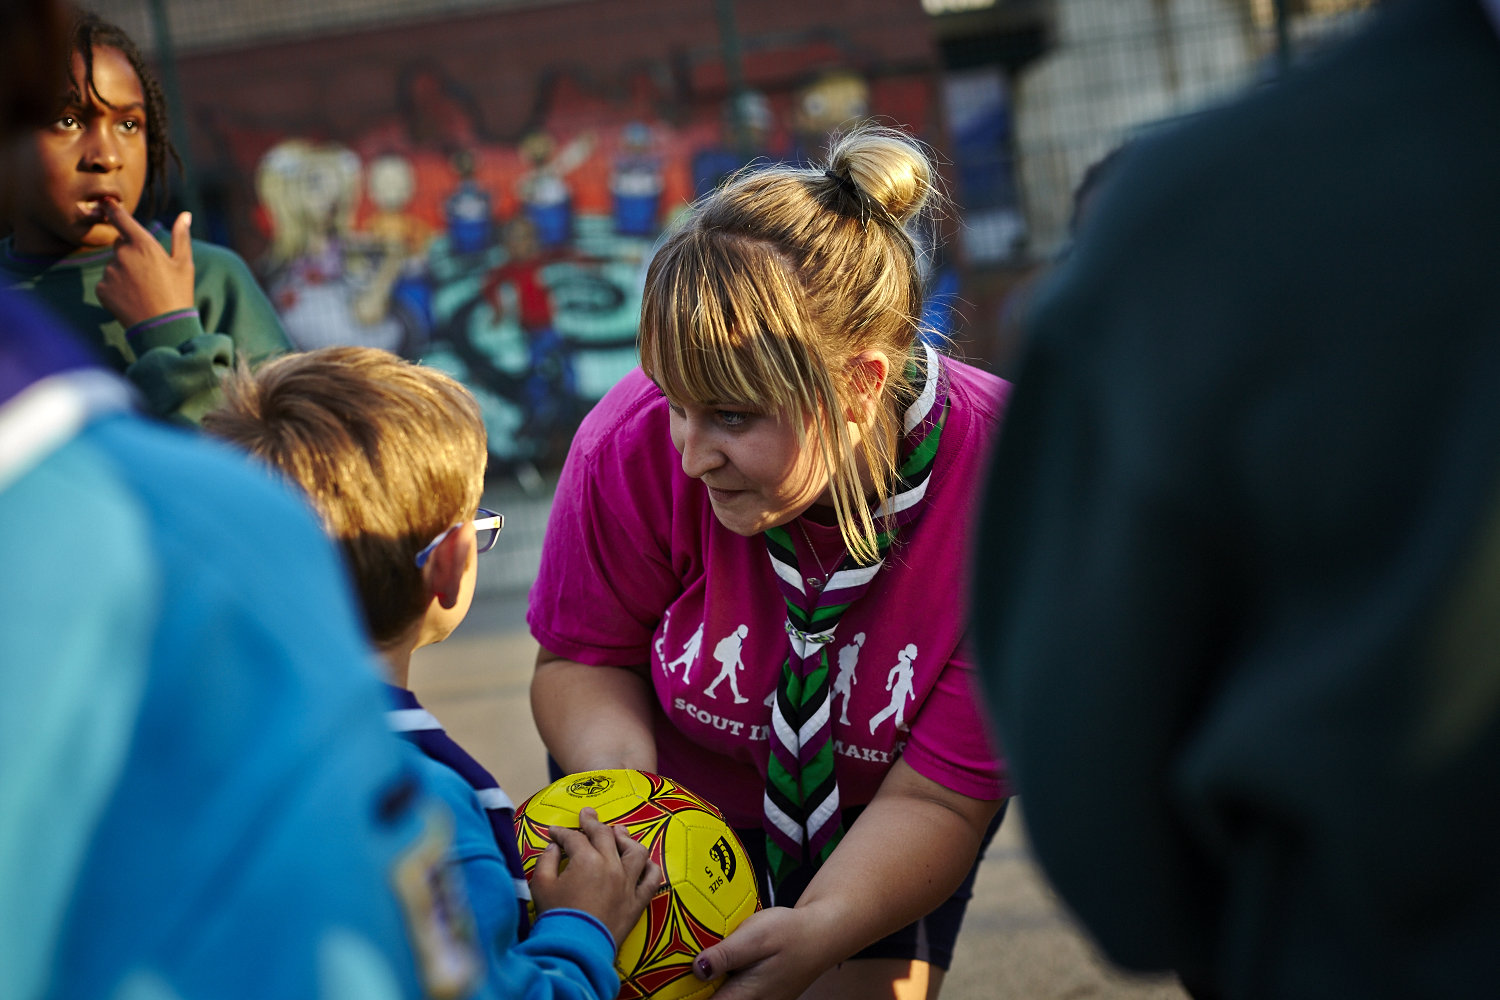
<point>444,572</point>
<point>868,372</point>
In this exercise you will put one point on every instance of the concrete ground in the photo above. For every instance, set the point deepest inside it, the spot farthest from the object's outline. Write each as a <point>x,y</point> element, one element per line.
<point>1017,941</point>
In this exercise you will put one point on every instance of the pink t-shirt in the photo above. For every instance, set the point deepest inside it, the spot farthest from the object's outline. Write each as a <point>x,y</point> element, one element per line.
<point>637,570</point>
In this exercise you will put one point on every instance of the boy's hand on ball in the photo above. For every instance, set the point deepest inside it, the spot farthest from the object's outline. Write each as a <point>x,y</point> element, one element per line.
<point>608,874</point>
<point>143,280</point>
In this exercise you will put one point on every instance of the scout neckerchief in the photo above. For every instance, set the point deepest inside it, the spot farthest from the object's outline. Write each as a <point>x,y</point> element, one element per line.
<point>420,727</point>
<point>802,817</point>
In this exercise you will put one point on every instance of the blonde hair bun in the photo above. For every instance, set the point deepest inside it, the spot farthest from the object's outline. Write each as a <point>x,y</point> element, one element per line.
<point>888,167</point>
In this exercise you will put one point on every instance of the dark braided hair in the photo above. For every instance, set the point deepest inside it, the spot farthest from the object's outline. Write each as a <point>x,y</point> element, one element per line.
<point>91,31</point>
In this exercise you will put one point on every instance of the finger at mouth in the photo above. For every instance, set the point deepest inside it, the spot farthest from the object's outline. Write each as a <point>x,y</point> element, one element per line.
<point>98,209</point>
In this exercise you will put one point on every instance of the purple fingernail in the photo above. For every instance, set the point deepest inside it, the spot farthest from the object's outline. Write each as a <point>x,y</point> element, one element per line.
<point>703,969</point>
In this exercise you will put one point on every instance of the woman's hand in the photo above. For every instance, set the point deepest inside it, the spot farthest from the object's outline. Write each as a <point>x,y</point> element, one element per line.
<point>878,880</point>
<point>143,280</point>
<point>776,953</point>
<point>608,874</point>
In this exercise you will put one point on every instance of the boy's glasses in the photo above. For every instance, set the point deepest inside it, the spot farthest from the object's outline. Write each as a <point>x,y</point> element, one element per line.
<point>487,525</point>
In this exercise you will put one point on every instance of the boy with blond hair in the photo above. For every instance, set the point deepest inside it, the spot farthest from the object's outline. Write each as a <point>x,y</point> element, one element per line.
<point>391,455</point>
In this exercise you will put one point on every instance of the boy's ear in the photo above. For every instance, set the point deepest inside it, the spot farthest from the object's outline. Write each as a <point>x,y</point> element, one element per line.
<point>444,572</point>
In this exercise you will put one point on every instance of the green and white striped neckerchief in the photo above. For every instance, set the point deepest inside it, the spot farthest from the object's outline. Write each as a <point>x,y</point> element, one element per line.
<point>802,815</point>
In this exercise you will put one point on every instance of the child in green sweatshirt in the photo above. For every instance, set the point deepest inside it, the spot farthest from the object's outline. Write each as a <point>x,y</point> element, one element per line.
<point>172,313</point>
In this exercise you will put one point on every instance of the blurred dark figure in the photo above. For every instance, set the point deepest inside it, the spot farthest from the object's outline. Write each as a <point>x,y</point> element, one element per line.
<point>1086,194</point>
<point>1011,318</point>
<point>1240,611</point>
<point>34,34</point>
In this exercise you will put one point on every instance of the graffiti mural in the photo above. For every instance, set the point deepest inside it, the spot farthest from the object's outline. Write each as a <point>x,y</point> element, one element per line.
<point>515,263</point>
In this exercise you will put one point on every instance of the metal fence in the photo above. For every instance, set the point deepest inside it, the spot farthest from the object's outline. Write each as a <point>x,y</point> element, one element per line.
<point>1118,66</point>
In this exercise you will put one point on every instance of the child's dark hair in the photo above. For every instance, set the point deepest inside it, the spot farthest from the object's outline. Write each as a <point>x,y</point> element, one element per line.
<point>91,31</point>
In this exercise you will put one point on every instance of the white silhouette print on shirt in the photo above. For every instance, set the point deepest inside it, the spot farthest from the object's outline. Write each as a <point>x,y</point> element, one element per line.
<point>689,654</point>
<point>899,683</point>
<point>844,680</point>
<point>731,661</point>
<point>661,638</point>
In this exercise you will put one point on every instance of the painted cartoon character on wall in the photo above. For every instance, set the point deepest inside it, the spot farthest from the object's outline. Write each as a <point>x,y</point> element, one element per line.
<point>327,288</point>
<point>748,123</point>
<point>399,238</point>
<point>635,185</point>
<point>519,288</point>
<point>468,210</point>
<point>543,188</point>
<point>833,101</point>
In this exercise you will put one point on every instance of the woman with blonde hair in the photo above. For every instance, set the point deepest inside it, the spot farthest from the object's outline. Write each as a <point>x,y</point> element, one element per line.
<point>792,465</point>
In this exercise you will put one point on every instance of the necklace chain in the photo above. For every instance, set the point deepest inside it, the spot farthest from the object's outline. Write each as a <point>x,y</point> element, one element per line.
<point>821,580</point>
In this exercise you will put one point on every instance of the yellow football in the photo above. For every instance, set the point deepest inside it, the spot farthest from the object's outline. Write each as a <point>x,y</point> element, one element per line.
<point>708,884</point>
